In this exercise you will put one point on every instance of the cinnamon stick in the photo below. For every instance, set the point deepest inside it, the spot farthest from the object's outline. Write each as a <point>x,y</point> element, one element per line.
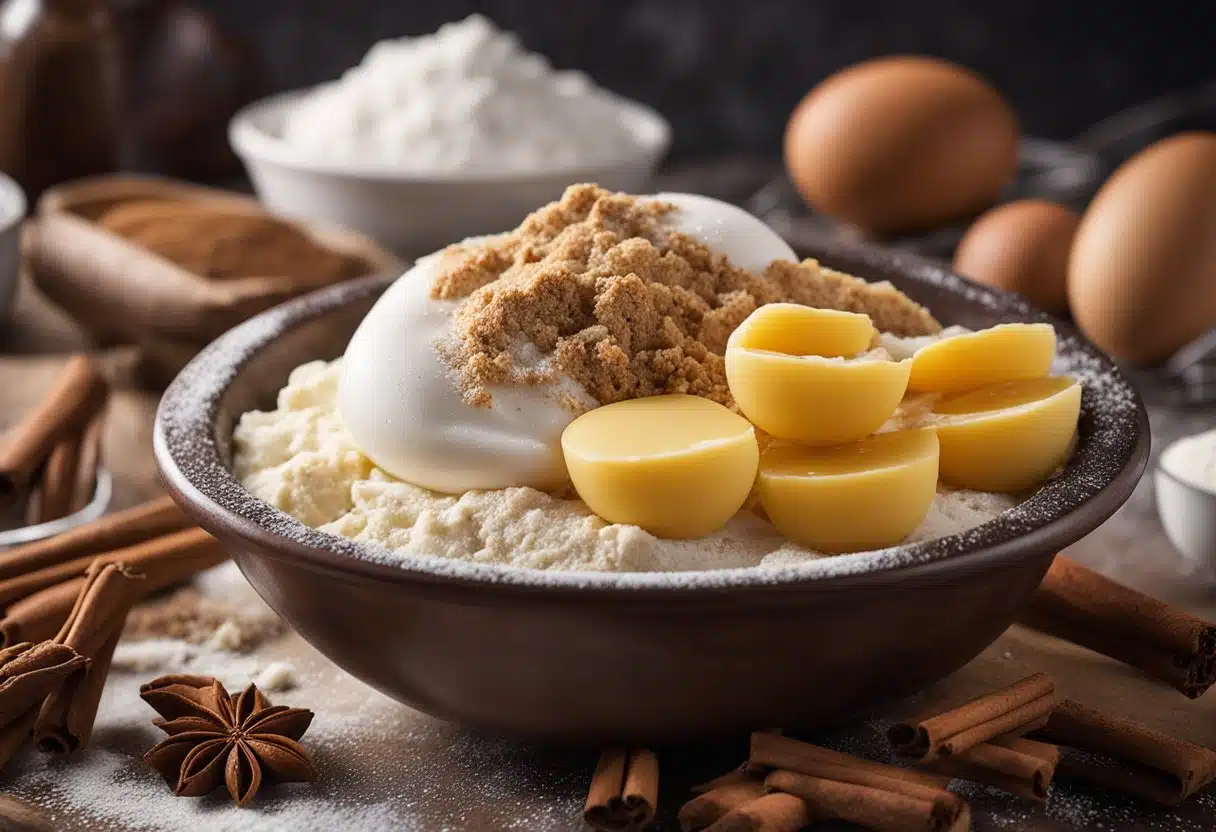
<point>1080,605</point>
<point>92,629</point>
<point>90,462</point>
<point>803,758</point>
<point>706,809</point>
<point>164,561</point>
<point>19,816</point>
<point>51,497</point>
<point>14,735</point>
<point>1153,765</point>
<point>770,751</point>
<point>1013,764</point>
<point>743,774</point>
<point>624,790</point>
<point>774,812</point>
<point>123,528</point>
<point>1010,709</point>
<point>79,394</point>
<point>39,617</point>
<point>877,809</point>
<point>28,674</point>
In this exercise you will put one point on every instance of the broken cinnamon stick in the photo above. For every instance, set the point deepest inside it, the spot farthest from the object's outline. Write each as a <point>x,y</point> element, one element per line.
<point>52,492</point>
<point>803,758</point>
<point>877,809</point>
<point>1014,708</point>
<point>624,790</point>
<point>89,464</point>
<point>92,630</point>
<point>1153,765</point>
<point>115,531</point>
<point>1012,764</point>
<point>164,561</point>
<point>704,810</point>
<point>774,812</point>
<point>79,394</point>
<point>1077,604</point>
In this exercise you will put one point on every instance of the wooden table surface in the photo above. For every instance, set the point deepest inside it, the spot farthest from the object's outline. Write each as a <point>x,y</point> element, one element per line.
<point>396,768</point>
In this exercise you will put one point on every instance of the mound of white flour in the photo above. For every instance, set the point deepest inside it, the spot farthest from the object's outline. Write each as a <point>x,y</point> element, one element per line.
<point>467,98</point>
<point>300,459</point>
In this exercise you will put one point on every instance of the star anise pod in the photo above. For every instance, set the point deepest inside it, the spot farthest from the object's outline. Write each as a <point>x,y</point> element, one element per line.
<point>215,738</point>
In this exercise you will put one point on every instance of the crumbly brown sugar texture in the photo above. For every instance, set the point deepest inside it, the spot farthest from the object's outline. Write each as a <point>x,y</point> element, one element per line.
<point>623,305</point>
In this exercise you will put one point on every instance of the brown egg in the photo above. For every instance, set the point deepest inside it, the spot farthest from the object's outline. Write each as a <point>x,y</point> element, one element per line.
<point>1142,275</point>
<point>902,144</point>
<point>1022,247</point>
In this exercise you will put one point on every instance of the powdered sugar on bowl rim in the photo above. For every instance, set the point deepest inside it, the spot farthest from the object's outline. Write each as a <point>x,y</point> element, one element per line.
<point>1110,456</point>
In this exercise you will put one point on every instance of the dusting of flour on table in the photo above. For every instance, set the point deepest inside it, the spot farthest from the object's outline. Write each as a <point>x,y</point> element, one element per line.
<point>1193,460</point>
<point>300,459</point>
<point>467,98</point>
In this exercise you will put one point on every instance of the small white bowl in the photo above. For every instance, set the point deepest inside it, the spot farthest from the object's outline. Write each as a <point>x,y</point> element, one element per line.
<point>1188,514</point>
<point>12,212</point>
<point>95,508</point>
<point>414,212</point>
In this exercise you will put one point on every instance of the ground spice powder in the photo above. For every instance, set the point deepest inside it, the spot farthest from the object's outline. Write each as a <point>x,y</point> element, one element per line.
<point>225,244</point>
<point>611,297</point>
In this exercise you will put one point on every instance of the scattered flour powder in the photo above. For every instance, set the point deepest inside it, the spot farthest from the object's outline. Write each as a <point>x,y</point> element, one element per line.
<point>1193,460</point>
<point>467,98</point>
<point>300,459</point>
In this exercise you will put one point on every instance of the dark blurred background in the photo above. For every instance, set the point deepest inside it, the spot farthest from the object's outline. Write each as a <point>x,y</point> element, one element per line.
<point>727,73</point>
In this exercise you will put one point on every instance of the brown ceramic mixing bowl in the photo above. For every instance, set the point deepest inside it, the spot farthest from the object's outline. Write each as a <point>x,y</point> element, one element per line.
<point>640,657</point>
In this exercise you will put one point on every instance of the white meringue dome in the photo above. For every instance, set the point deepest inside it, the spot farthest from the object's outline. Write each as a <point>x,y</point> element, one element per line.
<point>402,404</point>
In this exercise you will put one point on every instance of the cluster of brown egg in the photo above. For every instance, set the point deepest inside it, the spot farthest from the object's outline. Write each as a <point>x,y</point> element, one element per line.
<point>900,145</point>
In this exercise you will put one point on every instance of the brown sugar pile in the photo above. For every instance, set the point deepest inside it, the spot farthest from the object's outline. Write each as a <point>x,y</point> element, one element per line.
<point>615,300</point>
<point>225,244</point>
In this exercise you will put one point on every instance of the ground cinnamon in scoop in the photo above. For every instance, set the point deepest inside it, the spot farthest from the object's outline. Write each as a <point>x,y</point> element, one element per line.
<point>220,243</point>
<point>596,287</point>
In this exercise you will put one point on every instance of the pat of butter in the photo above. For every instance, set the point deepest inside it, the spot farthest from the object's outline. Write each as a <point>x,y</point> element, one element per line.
<point>785,369</point>
<point>677,466</point>
<point>1007,437</point>
<point>850,498</point>
<point>1006,352</point>
<point>803,330</point>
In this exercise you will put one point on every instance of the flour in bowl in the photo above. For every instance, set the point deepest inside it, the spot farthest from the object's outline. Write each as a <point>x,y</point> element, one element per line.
<point>466,98</point>
<point>300,459</point>
<point>1193,460</point>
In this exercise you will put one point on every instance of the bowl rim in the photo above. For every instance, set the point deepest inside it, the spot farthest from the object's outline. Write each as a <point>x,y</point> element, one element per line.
<point>187,452</point>
<point>94,509</point>
<point>251,140</point>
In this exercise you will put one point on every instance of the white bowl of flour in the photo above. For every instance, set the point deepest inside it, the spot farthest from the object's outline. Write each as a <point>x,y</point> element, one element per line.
<point>441,137</point>
<point>1186,496</point>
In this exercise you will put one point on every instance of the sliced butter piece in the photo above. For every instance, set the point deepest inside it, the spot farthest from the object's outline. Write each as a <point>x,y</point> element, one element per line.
<point>678,466</point>
<point>1006,352</point>
<point>785,370</point>
<point>819,401</point>
<point>1007,437</point>
<point>850,498</point>
<point>801,330</point>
